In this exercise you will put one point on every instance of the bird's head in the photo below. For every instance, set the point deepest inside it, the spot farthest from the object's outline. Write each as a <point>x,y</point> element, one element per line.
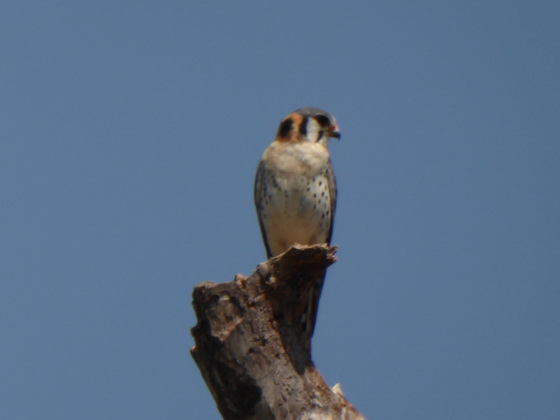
<point>308,124</point>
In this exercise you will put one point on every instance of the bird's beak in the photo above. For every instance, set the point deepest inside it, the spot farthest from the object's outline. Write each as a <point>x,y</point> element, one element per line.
<point>335,133</point>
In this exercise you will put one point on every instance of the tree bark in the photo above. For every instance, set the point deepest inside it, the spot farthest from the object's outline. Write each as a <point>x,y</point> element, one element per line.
<point>251,350</point>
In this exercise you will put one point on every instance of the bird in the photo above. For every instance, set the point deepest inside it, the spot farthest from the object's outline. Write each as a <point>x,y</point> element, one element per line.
<point>295,191</point>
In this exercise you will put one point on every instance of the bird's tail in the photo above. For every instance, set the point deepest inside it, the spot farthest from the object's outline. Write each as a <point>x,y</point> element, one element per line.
<point>310,315</point>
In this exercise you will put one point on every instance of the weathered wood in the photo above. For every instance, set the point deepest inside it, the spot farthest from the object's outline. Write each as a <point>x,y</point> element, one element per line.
<point>250,347</point>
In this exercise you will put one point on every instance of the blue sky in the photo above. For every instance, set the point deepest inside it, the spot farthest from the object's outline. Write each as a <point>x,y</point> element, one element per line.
<point>131,132</point>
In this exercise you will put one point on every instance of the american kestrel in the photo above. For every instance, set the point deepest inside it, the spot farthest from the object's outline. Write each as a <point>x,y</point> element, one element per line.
<point>295,190</point>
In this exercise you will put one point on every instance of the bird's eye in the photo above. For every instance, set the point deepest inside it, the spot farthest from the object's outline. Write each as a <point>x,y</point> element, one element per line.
<point>323,120</point>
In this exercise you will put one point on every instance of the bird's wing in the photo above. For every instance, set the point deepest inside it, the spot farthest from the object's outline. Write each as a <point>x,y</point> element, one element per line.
<point>331,182</point>
<point>259,196</point>
<point>315,294</point>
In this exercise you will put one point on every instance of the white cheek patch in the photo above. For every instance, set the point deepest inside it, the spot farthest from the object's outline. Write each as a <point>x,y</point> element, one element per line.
<point>314,131</point>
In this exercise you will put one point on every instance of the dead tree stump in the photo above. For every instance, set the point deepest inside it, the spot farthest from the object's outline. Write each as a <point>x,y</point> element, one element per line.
<point>250,350</point>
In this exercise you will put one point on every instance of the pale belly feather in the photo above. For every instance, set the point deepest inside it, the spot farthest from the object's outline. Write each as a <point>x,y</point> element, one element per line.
<point>296,211</point>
